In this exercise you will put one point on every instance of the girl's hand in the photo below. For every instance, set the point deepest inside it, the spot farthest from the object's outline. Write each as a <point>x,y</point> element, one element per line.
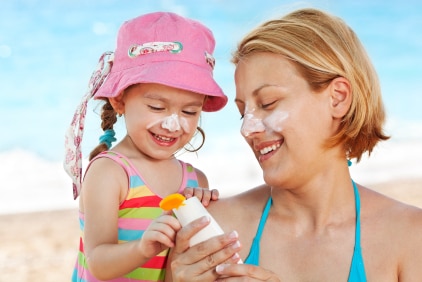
<point>205,195</point>
<point>159,235</point>
<point>198,262</point>
<point>238,272</point>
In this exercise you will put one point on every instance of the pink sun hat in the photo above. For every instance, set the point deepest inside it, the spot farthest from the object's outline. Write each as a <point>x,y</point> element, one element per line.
<point>168,49</point>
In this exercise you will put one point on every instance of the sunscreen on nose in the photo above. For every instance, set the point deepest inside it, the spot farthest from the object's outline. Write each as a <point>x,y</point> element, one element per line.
<point>251,125</point>
<point>171,123</point>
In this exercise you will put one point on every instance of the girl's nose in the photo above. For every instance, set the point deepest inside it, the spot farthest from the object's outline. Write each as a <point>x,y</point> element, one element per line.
<point>171,123</point>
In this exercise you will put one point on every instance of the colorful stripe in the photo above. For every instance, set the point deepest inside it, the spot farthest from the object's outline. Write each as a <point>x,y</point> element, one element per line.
<point>136,213</point>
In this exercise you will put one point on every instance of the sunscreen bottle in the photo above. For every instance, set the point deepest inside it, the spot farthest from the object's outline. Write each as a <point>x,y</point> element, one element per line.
<point>186,211</point>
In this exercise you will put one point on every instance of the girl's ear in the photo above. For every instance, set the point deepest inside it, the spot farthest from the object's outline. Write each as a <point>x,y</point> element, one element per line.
<point>341,97</point>
<point>118,104</point>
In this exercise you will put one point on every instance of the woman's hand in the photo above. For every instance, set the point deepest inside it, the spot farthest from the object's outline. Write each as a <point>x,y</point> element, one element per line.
<point>238,272</point>
<point>198,262</point>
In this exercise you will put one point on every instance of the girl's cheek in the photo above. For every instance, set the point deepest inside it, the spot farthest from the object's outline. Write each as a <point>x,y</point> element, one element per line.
<point>187,127</point>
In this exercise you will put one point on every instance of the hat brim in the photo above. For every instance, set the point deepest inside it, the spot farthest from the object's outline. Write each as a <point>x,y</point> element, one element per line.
<point>178,74</point>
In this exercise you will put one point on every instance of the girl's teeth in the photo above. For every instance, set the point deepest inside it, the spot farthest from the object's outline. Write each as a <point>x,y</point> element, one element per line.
<point>162,138</point>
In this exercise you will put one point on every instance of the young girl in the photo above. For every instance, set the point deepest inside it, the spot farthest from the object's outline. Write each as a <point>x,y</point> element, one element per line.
<point>160,79</point>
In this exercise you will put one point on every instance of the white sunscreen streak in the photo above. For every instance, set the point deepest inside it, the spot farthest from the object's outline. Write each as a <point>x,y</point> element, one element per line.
<point>272,123</point>
<point>275,121</point>
<point>172,123</point>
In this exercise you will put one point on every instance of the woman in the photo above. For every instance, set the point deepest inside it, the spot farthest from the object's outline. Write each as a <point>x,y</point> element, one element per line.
<point>310,101</point>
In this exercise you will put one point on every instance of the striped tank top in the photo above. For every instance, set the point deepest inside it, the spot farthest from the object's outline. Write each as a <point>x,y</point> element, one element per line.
<point>136,212</point>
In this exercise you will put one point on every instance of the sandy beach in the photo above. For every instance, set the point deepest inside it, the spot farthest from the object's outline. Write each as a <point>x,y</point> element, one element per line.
<point>42,246</point>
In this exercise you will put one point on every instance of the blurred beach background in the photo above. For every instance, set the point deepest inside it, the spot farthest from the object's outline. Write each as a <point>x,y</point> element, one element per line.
<point>48,50</point>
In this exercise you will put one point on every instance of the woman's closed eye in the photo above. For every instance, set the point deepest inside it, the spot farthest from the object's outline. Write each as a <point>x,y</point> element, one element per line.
<point>268,105</point>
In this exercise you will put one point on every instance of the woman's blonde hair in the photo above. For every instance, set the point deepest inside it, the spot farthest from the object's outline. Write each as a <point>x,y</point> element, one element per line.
<point>323,47</point>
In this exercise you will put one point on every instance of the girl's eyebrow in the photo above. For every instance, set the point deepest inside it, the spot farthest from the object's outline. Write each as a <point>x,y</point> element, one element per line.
<point>155,96</point>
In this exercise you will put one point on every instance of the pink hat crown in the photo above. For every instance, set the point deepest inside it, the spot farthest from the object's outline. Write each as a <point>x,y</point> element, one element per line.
<point>168,49</point>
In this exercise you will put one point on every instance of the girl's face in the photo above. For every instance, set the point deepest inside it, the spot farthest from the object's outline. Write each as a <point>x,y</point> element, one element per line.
<point>160,120</point>
<point>284,122</point>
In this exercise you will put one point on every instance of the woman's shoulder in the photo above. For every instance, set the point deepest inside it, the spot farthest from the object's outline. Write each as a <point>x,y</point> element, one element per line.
<point>242,211</point>
<point>250,197</point>
<point>379,203</point>
<point>394,217</point>
<point>239,206</point>
<point>392,229</point>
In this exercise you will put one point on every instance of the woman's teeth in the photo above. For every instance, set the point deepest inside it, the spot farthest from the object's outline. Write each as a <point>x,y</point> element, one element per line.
<point>268,149</point>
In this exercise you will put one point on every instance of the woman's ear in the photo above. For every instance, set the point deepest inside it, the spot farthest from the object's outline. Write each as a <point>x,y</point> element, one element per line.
<point>341,97</point>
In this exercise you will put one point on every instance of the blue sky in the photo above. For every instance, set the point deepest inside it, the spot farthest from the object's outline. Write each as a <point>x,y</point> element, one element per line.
<point>48,50</point>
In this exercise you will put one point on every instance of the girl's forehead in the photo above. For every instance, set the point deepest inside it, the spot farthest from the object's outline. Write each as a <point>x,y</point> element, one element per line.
<point>166,94</point>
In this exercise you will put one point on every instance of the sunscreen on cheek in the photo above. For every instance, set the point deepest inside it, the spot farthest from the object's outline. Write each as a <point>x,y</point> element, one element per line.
<point>275,121</point>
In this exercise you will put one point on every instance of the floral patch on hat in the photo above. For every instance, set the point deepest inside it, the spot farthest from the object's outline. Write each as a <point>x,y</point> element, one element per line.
<point>152,47</point>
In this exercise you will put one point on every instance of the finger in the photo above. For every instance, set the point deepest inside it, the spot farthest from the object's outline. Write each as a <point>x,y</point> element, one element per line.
<point>186,233</point>
<point>225,253</point>
<point>199,193</point>
<point>168,219</point>
<point>206,197</point>
<point>244,270</point>
<point>216,251</point>
<point>188,192</point>
<point>215,194</point>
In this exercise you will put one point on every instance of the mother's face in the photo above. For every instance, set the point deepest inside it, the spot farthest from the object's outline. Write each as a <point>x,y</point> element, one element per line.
<point>284,122</point>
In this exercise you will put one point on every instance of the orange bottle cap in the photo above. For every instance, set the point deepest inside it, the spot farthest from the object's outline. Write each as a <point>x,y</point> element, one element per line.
<point>172,201</point>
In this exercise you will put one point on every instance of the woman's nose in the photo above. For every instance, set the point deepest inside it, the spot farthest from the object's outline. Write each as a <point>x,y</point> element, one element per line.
<point>251,125</point>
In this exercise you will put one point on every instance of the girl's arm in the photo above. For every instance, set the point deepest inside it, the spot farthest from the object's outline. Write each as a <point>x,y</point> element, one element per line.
<point>104,186</point>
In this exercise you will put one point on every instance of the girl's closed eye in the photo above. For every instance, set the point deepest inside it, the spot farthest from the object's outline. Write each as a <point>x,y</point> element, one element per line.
<point>156,107</point>
<point>191,113</point>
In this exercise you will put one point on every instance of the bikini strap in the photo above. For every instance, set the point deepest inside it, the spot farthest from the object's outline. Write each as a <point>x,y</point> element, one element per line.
<point>357,267</point>
<point>263,219</point>
<point>253,257</point>
<point>357,206</point>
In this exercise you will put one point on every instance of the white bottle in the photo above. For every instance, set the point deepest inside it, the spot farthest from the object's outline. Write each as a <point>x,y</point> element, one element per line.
<point>192,209</point>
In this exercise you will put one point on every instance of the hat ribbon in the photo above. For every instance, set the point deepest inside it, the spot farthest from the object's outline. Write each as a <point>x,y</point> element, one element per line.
<point>73,136</point>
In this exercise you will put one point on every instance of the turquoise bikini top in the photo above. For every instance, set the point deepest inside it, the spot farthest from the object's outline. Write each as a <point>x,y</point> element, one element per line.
<point>357,268</point>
